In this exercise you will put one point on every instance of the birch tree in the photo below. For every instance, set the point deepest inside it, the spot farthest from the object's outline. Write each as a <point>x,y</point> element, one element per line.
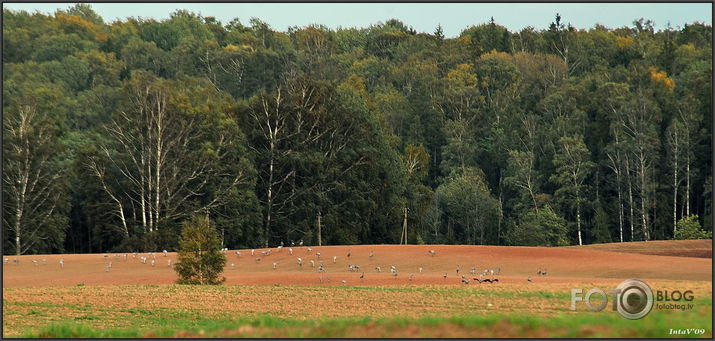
<point>167,142</point>
<point>573,166</point>
<point>32,180</point>
<point>639,126</point>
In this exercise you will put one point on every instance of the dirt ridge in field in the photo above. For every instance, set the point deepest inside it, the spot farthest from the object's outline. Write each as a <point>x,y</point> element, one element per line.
<point>514,263</point>
<point>699,248</point>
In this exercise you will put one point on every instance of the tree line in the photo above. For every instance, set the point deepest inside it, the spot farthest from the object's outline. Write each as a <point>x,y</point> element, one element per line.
<point>116,133</point>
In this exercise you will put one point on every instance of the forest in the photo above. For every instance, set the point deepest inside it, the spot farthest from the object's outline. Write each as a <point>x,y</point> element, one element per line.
<point>114,134</point>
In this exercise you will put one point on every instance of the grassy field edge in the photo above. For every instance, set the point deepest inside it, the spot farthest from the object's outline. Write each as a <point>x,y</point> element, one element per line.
<point>493,325</point>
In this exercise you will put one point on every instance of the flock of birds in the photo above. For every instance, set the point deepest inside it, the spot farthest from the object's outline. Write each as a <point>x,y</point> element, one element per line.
<point>475,275</point>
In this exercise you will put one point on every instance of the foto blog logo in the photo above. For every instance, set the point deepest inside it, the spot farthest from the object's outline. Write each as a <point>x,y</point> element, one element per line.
<point>633,299</point>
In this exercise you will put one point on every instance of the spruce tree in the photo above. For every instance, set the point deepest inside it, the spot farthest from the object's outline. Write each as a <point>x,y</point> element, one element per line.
<point>200,260</point>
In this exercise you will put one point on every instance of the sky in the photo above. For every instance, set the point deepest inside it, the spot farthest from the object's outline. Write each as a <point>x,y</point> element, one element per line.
<point>423,17</point>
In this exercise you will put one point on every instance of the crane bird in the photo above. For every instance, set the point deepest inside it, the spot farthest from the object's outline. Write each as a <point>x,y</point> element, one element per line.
<point>274,265</point>
<point>410,276</point>
<point>372,253</point>
<point>349,253</point>
<point>312,263</point>
<point>528,278</point>
<point>445,275</point>
<point>378,269</point>
<point>432,253</point>
<point>6,260</point>
<point>62,262</point>
<point>300,243</point>
<point>34,262</point>
<point>300,262</point>
<point>317,254</point>
<point>457,269</point>
<point>344,282</point>
<point>253,251</point>
<point>420,269</point>
<point>168,263</point>
<point>310,249</point>
<point>258,259</point>
<point>152,263</point>
<point>362,276</point>
<point>290,251</point>
<point>335,259</point>
<point>166,253</point>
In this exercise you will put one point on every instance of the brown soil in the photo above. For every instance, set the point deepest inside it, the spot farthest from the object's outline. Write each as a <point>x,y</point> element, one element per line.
<point>568,264</point>
<point>700,248</point>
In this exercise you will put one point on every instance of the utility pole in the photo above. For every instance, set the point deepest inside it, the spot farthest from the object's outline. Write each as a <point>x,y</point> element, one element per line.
<point>404,228</point>
<point>319,239</point>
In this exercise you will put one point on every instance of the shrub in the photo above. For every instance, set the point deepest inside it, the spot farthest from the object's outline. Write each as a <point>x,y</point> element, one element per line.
<point>200,261</point>
<point>689,228</point>
<point>544,228</point>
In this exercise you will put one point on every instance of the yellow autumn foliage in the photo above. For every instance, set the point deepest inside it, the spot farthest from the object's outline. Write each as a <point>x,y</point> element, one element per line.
<point>661,77</point>
<point>623,42</point>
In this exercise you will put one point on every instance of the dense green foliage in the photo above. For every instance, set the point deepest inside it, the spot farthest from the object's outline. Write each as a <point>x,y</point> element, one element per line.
<point>689,228</point>
<point>115,133</point>
<point>199,260</point>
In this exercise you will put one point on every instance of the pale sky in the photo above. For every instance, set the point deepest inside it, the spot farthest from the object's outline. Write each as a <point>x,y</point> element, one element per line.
<point>424,17</point>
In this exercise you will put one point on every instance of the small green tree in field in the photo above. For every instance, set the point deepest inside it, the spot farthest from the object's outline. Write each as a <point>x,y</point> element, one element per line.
<point>689,228</point>
<point>200,260</point>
